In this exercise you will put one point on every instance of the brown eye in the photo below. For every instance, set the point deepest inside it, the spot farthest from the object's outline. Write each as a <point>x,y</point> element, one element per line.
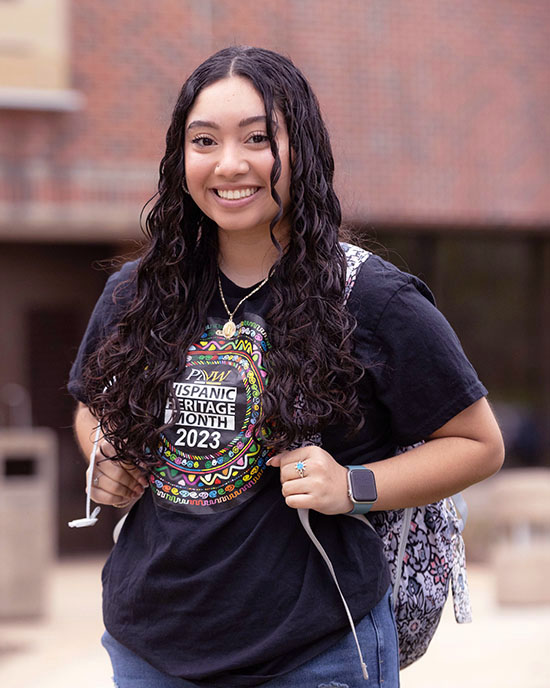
<point>258,138</point>
<point>203,141</point>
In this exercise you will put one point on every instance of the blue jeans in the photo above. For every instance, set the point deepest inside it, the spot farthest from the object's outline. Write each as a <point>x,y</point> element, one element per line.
<point>337,667</point>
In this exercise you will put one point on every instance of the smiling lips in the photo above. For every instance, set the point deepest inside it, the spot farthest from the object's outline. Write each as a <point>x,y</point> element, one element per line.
<point>236,194</point>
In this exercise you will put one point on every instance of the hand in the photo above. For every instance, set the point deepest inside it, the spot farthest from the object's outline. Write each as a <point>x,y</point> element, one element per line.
<point>324,485</point>
<point>115,483</point>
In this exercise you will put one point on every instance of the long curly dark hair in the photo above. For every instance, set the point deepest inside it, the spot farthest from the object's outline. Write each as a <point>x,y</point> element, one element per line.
<point>129,377</point>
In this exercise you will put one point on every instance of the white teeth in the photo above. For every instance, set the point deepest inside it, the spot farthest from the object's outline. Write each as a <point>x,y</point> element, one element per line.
<point>235,194</point>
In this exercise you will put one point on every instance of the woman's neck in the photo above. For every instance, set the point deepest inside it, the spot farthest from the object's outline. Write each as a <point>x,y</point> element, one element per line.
<point>246,257</point>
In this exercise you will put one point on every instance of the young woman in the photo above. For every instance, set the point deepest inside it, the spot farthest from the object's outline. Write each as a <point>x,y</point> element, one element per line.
<point>213,360</point>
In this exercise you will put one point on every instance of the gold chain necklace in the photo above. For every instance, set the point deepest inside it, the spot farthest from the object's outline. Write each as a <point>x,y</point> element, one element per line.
<point>230,328</point>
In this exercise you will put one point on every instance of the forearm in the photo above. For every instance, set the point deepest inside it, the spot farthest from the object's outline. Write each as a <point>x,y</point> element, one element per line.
<point>85,427</point>
<point>464,451</point>
<point>436,469</point>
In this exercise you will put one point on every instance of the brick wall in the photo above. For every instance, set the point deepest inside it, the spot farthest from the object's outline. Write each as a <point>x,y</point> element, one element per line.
<point>438,109</point>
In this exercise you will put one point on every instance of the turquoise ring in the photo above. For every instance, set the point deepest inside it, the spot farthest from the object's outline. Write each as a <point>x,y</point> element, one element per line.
<point>301,468</point>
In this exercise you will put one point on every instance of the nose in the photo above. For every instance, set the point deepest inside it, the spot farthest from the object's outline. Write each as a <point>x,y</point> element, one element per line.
<point>232,161</point>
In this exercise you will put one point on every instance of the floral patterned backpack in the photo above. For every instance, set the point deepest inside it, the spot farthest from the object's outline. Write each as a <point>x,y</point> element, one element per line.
<point>423,546</point>
<point>425,552</point>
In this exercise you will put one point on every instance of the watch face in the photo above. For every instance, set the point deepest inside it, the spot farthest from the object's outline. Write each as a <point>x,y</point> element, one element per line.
<point>363,486</point>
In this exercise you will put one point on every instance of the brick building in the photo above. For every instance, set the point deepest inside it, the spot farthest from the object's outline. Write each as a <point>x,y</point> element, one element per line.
<point>438,113</point>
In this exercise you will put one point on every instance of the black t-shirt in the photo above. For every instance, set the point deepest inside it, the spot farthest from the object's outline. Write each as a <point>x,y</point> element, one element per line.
<point>213,578</point>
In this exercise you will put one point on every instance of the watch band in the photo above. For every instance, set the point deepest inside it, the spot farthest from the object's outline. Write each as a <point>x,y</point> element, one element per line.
<point>359,507</point>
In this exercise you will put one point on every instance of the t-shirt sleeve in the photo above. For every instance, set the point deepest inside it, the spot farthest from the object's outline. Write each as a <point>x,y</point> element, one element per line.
<point>105,316</point>
<point>414,359</point>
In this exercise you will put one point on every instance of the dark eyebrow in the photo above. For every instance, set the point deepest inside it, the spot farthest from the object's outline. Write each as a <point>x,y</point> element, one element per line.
<point>252,120</point>
<point>212,125</point>
<point>202,123</point>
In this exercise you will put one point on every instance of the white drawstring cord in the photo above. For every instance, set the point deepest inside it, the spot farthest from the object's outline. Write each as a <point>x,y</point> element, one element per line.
<point>90,519</point>
<point>303,514</point>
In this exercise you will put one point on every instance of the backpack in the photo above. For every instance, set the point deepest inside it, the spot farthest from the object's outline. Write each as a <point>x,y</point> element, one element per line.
<point>425,553</point>
<point>423,545</point>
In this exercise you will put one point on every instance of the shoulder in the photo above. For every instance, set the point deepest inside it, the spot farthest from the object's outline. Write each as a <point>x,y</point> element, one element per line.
<point>121,284</point>
<point>109,310</point>
<point>378,285</point>
<point>123,277</point>
<point>117,294</point>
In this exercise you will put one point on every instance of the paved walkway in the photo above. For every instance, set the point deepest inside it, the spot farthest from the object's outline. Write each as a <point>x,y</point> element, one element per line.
<point>503,648</point>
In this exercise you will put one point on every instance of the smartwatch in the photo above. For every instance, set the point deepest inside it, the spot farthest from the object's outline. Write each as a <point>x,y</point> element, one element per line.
<point>361,489</point>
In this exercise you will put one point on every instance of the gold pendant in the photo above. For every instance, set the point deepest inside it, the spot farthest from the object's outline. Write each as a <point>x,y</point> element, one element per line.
<point>229,329</point>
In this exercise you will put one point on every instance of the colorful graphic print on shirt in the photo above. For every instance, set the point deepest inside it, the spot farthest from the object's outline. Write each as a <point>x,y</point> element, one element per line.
<point>211,461</point>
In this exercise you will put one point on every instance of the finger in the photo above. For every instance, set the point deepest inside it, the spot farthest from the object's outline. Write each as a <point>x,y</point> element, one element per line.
<point>274,461</point>
<point>138,473</point>
<point>295,487</point>
<point>126,474</point>
<point>116,473</point>
<point>290,471</point>
<point>291,456</point>
<point>111,485</point>
<point>103,497</point>
<point>300,501</point>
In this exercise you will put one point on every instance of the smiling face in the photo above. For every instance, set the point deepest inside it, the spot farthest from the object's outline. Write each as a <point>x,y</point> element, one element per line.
<point>228,157</point>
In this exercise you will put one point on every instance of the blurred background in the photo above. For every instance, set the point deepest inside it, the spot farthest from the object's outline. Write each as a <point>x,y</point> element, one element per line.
<point>438,113</point>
